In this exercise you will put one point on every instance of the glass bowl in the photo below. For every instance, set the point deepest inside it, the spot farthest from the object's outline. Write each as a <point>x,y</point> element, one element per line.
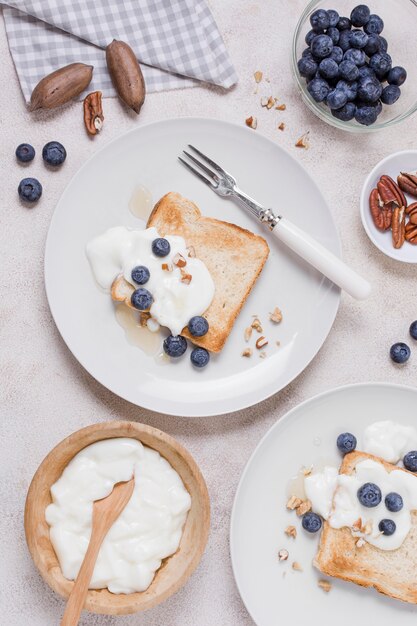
<point>400,19</point>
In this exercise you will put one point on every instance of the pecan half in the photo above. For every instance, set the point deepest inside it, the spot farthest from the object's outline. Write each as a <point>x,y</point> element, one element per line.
<point>93,113</point>
<point>411,211</point>
<point>411,233</point>
<point>398,227</point>
<point>408,183</point>
<point>390,192</point>
<point>381,214</point>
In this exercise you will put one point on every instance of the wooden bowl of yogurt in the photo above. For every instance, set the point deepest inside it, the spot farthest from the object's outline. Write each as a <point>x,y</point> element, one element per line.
<point>169,514</point>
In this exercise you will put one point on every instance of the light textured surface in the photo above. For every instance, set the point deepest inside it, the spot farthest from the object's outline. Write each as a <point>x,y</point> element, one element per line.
<point>45,393</point>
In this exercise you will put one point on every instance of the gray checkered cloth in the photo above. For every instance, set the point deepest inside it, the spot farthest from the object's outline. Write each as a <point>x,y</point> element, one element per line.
<point>176,41</point>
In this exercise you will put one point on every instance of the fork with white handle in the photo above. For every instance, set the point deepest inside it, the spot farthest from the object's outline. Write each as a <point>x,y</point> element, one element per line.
<point>224,184</point>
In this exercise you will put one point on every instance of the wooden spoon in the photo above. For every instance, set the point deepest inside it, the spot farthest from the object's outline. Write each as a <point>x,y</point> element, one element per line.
<point>105,513</point>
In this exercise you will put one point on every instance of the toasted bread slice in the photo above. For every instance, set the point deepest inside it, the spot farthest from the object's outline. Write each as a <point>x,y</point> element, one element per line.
<point>393,573</point>
<point>234,257</point>
<point>121,290</point>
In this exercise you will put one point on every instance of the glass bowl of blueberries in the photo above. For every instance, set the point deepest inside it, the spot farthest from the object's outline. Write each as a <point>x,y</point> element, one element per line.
<point>355,64</point>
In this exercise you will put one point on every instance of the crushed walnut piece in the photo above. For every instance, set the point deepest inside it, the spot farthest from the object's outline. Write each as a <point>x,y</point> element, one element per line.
<point>293,503</point>
<point>258,76</point>
<point>303,142</point>
<point>191,251</point>
<point>281,107</point>
<point>281,126</point>
<point>304,507</point>
<point>276,315</point>
<point>248,333</point>
<point>252,122</point>
<point>297,567</point>
<point>291,531</point>
<point>264,101</point>
<point>247,352</point>
<point>283,555</point>
<point>179,260</point>
<point>167,267</point>
<point>306,471</point>
<point>256,325</point>
<point>356,526</point>
<point>261,342</point>
<point>185,277</point>
<point>326,585</point>
<point>270,103</point>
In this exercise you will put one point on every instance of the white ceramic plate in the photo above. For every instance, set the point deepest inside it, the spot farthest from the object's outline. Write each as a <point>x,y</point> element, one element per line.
<point>392,165</point>
<point>307,435</point>
<point>97,198</point>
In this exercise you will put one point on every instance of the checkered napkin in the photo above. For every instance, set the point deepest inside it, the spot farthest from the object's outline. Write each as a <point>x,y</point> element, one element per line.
<point>176,41</point>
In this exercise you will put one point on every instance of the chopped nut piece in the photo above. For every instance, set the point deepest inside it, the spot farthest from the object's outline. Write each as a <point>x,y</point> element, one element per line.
<point>281,126</point>
<point>281,107</point>
<point>248,333</point>
<point>357,525</point>
<point>360,542</point>
<point>270,103</point>
<point>264,101</point>
<point>256,324</point>
<point>167,267</point>
<point>303,142</point>
<point>304,507</point>
<point>247,352</point>
<point>179,260</point>
<point>367,529</point>
<point>261,342</point>
<point>291,531</point>
<point>297,567</point>
<point>258,76</point>
<point>252,122</point>
<point>191,251</point>
<point>294,503</point>
<point>185,278</point>
<point>326,585</point>
<point>263,355</point>
<point>283,555</point>
<point>307,470</point>
<point>276,316</point>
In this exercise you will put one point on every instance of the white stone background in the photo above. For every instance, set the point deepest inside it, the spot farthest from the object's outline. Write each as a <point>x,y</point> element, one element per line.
<point>46,394</point>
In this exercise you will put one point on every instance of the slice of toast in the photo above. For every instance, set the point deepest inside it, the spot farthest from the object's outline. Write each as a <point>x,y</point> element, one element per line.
<point>234,257</point>
<point>392,572</point>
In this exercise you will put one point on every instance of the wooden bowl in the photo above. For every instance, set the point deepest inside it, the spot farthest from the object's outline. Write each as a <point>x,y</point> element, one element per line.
<point>174,571</point>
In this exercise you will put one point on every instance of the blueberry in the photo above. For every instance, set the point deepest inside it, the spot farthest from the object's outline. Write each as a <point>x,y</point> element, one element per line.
<point>141,299</point>
<point>198,326</point>
<point>333,17</point>
<point>381,63</point>
<point>30,189</point>
<point>366,72</point>
<point>397,76</point>
<point>390,94</point>
<point>369,495</point>
<point>344,23</point>
<point>358,39</point>
<point>369,90</point>
<point>318,89</point>
<point>394,502</point>
<point>373,45</point>
<point>378,107</point>
<point>307,54</point>
<point>336,54</point>
<point>140,274</point>
<point>387,527</point>
<point>307,67</point>
<point>346,442</point>
<point>334,34</point>
<point>383,44</point>
<point>336,99</point>
<point>413,330</point>
<point>161,247</point>
<point>311,522</point>
<point>355,56</point>
<point>321,46</point>
<point>175,346</point>
<point>54,153</point>
<point>351,89</point>
<point>400,352</point>
<point>410,461</point>
<point>360,15</point>
<point>199,357</point>
<point>348,70</point>
<point>328,68</point>
<point>319,20</point>
<point>309,37</point>
<point>374,25</point>
<point>25,152</point>
<point>346,113</point>
<point>344,40</point>
<point>366,115</point>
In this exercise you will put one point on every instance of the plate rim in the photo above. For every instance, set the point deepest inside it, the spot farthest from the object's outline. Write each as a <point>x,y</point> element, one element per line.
<point>178,410</point>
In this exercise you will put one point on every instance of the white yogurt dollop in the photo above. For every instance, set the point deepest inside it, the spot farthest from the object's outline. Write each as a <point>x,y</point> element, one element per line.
<point>389,440</point>
<point>175,302</point>
<point>148,530</point>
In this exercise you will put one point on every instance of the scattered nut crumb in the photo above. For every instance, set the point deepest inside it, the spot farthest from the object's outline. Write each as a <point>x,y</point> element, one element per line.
<point>252,122</point>
<point>356,526</point>
<point>247,352</point>
<point>360,542</point>
<point>281,126</point>
<point>264,101</point>
<point>367,529</point>
<point>167,267</point>
<point>326,585</point>
<point>281,107</point>
<point>261,342</point>
<point>297,567</point>
<point>179,260</point>
<point>303,142</point>
<point>185,278</point>
<point>191,251</point>
<point>291,531</point>
<point>283,555</point>
<point>258,76</point>
<point>263,355</point>
<point>278,343</point>
<point>304,507</point>
<point>270,103</point>
<point>294,503</point>
<point>256,324</point>
<point>276,315</point>
<point>307,470</point>
<point>248,333</point>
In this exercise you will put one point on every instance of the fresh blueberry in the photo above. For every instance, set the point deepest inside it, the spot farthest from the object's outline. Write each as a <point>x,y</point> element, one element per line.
<point>348,70</point>
<point>381,63</point>
<point>366,72</point>
<point>321,46</point>
<point>358,39</point>
<point>360,15</point>
<point>394,502</point>
<point>400,352</point>
<point>383,44</point>
<point>307,67</point>
<point>346,113</point>
<point>319,20</point>
<point>346,442</point>
<point>175,346</point>
<point>309,37</point>
<point>30,189</point>
<point>334,34</point>
<point>333,17</point>
<point>397,76</point>
<point>355,56</point>
<point>373,45</point>
<point>141,299</point>
<point>378,107</point>
<point>336,99</point>
<point>369,90</point>
<point>366,115</point>
<point>390,94</point>
<point>374,25</point>
<point>318,89</point>
<point>351,89</point>
<point>161,247</point>
<point>54,153</point>
<point>307,54</point>
<point>344,40</point>
<point>336,54</point>
<point>140,274</point>
<point>198,326</point>
<point>369,495</point>
<point>328,68</point>
<point>25,152</point>
<point>410,461</point>
<point>344,23</point>
<point>311,522</point>
<point>387,527</point>
<point>413,330</point>
<point>199,357</point>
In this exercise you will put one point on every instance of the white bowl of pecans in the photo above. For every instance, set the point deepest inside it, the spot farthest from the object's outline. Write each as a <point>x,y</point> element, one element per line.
<point>389,206</point>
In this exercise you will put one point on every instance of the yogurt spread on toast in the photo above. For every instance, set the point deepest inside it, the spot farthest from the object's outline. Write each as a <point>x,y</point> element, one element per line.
<point>147,531</point>
<point>179,284</point>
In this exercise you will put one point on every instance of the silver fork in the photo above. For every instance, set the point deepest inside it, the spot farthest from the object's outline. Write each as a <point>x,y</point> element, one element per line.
<point>224,184</point>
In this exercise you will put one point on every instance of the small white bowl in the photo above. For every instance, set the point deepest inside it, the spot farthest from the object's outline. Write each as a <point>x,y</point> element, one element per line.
<point>392,165</point>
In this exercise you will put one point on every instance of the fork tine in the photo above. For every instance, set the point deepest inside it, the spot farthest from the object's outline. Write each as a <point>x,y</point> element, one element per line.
<point>213,164</point>
<point>194,171</point>
<point>202,166</point>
